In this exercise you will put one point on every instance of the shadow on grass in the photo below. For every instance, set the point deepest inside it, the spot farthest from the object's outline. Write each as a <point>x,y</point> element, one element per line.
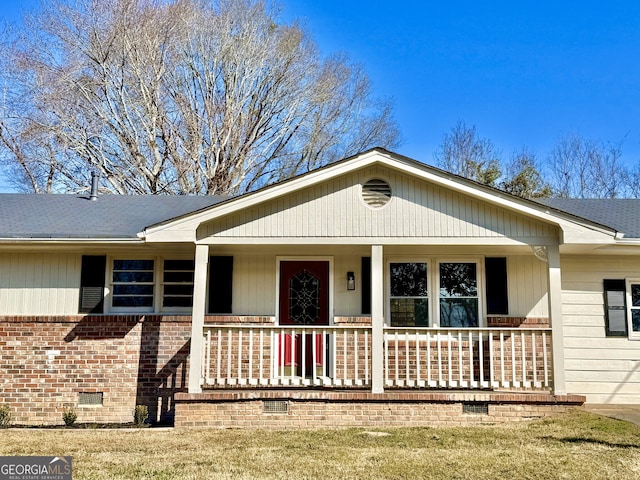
<point>595,441</point>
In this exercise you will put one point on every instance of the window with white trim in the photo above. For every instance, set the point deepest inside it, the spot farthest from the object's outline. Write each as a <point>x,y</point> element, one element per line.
<point>151,284</point>
<point>434,292</point>
<point>409,299</point>
<point>458,298</point>
<point>177,283</point>
<point>633,308</point>
<point>133,283</point>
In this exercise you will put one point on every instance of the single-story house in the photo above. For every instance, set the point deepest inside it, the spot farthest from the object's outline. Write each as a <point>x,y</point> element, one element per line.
<point>373,291</point>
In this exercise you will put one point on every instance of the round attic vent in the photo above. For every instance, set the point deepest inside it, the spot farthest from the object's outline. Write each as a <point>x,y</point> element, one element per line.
<point>376,193</point>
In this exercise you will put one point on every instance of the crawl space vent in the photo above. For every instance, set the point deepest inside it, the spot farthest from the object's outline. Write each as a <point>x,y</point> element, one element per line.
<point>376,193</point>
<point>275,406</point>
<point>85,398</point>
<point>481,408</point>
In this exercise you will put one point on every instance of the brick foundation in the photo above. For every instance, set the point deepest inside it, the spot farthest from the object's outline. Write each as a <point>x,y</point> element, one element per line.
<point>46,362</point>
<point>324,409</point>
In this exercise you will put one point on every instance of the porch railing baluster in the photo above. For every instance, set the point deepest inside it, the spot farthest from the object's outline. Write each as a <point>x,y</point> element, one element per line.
<point>419,381</point>
<point>341,356</point>
<point>366,356</point>
<point>229,355</point>
<point>502,377</point>
<point>481,358</point>
<point>544,359</point>
<point>491,362</point>
<point>460,370</point>
<point>449,367</point>
<point>535,360</point>
<point>356,353</point>
<point>240,379</point>
<point>407,377</point>
<point>514,380</point>
<point>472,382</point>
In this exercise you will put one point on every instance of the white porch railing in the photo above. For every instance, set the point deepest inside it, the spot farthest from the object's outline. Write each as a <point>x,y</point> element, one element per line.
<point>476,358</point>
<point>333,356</point>
<point>340,356</point>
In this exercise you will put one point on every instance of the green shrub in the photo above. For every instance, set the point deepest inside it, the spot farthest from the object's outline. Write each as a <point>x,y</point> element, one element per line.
<point>5,415</point>
<point>140,415</point>
<point>69,416</point>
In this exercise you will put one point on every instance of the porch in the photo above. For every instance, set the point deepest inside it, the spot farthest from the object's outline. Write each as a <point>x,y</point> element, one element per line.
<point>342,356</point>
<point>415,334</point>
<point>269,376</point>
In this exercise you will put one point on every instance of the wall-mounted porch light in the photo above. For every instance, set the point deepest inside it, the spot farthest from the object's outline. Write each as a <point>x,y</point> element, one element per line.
<point>351,281</point>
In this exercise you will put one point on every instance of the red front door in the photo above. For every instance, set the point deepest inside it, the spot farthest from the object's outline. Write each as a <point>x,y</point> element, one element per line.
<point>304,292</point>
<point>304,300</point>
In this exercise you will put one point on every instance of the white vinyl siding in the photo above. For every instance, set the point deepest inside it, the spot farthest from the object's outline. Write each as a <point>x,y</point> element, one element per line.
<point>605,369</point>
<point>254,284</point>
<point>39,283</point>
<point>527,285</point>
<point>417,209</point>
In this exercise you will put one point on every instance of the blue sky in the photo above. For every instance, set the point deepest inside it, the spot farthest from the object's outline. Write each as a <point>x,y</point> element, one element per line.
<point>523,72</point>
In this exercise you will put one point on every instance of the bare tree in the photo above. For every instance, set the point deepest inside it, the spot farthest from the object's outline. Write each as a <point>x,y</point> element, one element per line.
<point>523,177</point>
<point>465,153</point>
<point>177,96</point>
<point>585,168</point>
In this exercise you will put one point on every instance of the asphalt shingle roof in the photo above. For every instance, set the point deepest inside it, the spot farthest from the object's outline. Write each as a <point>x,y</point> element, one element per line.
<point>123,216</point>
<point>110,216</point>
<point>621,214</point>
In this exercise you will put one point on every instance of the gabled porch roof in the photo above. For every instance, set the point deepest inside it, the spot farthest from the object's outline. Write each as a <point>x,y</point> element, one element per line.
<point>573,229</point>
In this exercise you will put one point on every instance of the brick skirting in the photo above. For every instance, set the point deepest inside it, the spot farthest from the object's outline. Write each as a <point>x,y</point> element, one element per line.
<point>329,409</point>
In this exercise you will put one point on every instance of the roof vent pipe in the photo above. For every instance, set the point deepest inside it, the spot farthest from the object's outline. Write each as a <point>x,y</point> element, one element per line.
<point>95,177</point>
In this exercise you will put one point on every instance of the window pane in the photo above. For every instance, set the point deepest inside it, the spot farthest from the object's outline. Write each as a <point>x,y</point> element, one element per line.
<point>177,302</point>
<point>635,295</point>
<point>635,320</point>
<point>133,283</point>
<point>458,280</point>
<point>408,279</point>
<point>133,265</point>
<point>178,265</point>
<point>458,312</point>
<point>133,289</point>
<point>178,289</point>
<point>137,301</point>
<point>178,277</point>
<point>133,277</point>
<point>409,312</point>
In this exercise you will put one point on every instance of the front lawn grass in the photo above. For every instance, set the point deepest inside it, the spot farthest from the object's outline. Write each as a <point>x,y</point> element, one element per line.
<point>577,445</point>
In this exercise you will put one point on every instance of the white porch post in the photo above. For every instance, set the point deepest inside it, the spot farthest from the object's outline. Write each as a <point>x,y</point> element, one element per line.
<point>555,317</point>
<point>377,319</point>
<point>197,318</point>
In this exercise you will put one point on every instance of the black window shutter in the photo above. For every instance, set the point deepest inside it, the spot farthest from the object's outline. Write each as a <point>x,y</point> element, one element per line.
<point>496,282</point>
<point>615,308</point>
<point>92,283</point>
<point>220,284</point>
<point>365,273</point>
